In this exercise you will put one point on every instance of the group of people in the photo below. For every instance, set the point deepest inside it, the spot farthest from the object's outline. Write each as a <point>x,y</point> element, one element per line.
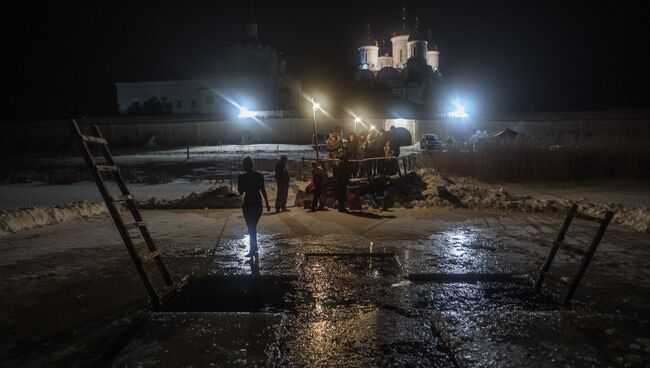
<point>371,143</point>
<point>344,156</point>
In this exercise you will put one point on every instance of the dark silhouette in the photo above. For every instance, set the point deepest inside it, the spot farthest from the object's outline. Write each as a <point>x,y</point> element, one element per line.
<point>153,106</point>
<point>318,176</point>
<point>282,179</point>
<point>252,184</point>
<point>342,178</point>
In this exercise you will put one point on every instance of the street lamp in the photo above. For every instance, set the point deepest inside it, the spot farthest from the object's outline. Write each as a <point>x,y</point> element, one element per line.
<point>245,113</point>
<point>356,120</point>
<point>315,106</point>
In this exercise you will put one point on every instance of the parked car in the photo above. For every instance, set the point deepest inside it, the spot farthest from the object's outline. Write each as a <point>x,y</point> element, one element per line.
<point>430,142</point>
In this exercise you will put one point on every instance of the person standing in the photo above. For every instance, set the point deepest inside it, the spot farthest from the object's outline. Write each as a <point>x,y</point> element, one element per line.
<point>342,183</point>
<point>282,179</point>
<point>318,177</point>
<point>334,145</point>
<point>394,141</point>
<point>251,183</point>
<point>352,149</point>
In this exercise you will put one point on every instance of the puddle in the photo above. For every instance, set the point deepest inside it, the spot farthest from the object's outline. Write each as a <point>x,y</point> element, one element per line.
<point>479,296</point>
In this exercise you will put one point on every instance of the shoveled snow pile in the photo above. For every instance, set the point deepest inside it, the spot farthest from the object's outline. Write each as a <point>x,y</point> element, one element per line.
<point>15,220</point>
<point>215,197</point>
<point>460,192</point>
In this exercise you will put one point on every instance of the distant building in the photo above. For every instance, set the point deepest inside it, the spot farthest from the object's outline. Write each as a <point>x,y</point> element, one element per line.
<point>252,75</point>
<point>409,66</point>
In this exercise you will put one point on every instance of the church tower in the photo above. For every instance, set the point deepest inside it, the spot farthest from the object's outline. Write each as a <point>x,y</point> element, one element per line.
<point>369,53</point>
<point>385,58</point>
<point>433,55</point>
<point>417,44</point>
<point>399,40</point>
<point>251,26</point>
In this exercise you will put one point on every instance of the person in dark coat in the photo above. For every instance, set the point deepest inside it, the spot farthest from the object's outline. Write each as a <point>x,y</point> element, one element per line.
<point>251,183</point>
<point>352,148</point>
<point>334,145</point>
<point>394,141</point>
<point>282,179</point>
<point>342,178</point>
<point>318,177</point>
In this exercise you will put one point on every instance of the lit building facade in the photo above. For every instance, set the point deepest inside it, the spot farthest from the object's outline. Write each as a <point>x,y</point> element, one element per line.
<point>409,64</point>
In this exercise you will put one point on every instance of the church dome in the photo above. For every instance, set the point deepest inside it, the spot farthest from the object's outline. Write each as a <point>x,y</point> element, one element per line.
<point>369,40</point>
<point>387,73</point>
<point>384,47</point>
<point>402,30</point>
<point>417,71</point>
<point>431,46</point>
<point>364,75</point>
<point>416,33</point>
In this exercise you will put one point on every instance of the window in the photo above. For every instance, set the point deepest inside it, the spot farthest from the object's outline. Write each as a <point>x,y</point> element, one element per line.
<point>178,104</point>
<point>193,103</point>
<point>209,100</point>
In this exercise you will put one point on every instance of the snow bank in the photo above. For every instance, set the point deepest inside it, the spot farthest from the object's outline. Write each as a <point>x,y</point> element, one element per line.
<point>15,220</point>
<point>215,197</point>
<point>460,192</point>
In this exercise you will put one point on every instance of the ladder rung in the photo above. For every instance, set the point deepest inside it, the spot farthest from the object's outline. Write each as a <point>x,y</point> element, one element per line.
<point>134,225</point>
<point>91,139</point>
<point>107,168</point>
<point>122,198</point>
<point>172,290</point>
<point>582,216</point>
<point>150,256</point>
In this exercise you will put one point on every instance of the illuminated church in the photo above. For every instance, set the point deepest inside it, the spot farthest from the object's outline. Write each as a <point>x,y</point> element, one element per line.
<point>409,65</point>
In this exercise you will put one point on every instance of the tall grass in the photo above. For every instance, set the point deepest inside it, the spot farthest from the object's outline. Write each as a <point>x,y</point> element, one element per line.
<point>521,160</point>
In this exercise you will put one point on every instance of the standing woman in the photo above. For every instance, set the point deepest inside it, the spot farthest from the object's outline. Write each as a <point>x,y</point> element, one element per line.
<point>252,183</point>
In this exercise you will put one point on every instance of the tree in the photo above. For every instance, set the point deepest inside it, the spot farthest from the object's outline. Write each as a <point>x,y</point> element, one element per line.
<point>152,106</point>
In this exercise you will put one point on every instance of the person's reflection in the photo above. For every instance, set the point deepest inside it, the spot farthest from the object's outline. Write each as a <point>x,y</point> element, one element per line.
<point>254,262</point>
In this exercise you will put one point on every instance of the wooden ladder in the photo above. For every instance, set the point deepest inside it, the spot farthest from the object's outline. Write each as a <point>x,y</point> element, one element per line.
<point>157,299</point>
<point>586,255</point>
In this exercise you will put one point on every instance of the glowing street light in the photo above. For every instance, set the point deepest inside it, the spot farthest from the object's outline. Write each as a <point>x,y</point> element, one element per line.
<point>459,111</point>
<point>356,120</point>
<point>315,106</point>
<point>245,113</point>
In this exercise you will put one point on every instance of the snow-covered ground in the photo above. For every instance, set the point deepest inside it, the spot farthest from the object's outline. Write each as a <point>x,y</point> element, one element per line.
<point>465,192</point>
<point>44,195</point>
<point>630,203</point>
<point>198,155</point>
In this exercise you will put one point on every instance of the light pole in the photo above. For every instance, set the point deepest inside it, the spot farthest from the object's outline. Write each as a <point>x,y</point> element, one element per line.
<point>356,120</point>
<point>315,106</point>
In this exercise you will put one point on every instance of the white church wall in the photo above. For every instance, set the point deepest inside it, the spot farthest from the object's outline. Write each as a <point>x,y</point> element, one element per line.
<point>417,49</point>
<point>369,57</point>
<point>385,61</point>
<point>400,51</point>
<point>433,59</point>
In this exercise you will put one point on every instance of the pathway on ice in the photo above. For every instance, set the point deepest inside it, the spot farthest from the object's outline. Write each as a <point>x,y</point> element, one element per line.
<point>335,307</point>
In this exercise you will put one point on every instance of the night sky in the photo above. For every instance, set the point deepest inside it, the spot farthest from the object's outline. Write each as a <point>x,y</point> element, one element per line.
<point>499,55</point>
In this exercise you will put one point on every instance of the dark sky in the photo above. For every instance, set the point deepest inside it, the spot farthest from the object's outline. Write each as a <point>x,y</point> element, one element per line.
<point>500,55</point>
